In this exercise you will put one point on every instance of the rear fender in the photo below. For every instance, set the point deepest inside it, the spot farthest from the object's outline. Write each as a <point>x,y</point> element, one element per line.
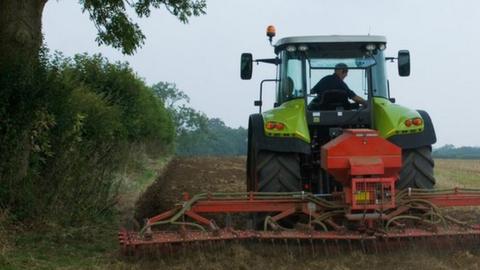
<point>425,138</point>
<point>260,141</point>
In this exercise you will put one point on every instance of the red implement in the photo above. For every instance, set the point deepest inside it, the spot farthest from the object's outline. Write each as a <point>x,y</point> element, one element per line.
<point>369,208</point>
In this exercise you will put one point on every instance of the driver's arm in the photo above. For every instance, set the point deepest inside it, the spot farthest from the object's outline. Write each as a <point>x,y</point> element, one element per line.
<point>355,97</point>
<point>360,100</point>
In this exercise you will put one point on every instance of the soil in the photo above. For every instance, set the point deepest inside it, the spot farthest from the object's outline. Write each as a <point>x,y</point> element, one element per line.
<point>227,174</point>
<point>192,175</point>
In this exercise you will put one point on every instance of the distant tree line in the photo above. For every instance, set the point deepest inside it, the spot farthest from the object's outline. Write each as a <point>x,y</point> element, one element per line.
<point>450,151</point>
<point>196,134</point>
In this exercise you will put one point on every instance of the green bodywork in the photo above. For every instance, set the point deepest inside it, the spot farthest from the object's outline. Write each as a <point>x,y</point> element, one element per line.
<point>292,115</point>
<point>389,119</point>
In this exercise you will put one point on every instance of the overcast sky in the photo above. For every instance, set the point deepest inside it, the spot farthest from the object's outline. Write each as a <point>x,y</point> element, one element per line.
<point>202,57</point>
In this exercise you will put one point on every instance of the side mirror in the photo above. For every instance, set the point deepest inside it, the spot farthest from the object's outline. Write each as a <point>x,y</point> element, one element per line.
<point>403,63</point>
<point>246,66</point>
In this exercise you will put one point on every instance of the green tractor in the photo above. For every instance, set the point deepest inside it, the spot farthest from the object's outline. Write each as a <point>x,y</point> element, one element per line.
<point>284,143</point>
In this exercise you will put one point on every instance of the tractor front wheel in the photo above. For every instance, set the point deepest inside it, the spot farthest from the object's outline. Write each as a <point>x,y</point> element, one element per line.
<point>417,169</point>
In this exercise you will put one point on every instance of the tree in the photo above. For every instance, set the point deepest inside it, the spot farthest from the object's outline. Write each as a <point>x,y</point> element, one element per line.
<point>21,23</point>
<point>185,118</point>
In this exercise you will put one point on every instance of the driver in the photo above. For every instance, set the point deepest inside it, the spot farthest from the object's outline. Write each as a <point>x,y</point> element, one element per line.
<point>335,82</point>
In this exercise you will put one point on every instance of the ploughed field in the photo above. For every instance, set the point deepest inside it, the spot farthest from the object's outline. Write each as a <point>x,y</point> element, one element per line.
<point>227,174</point>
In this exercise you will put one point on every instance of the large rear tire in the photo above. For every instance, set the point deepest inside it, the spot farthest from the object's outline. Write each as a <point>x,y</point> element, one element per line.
<point>417,169</point>
<point>278,172</point>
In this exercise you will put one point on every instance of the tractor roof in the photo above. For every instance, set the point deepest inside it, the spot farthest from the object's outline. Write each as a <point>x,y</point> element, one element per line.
<point>329,39</point>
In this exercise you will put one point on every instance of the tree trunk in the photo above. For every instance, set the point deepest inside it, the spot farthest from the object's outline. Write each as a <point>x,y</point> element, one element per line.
<point>20,30</point>
<point>20,85</point>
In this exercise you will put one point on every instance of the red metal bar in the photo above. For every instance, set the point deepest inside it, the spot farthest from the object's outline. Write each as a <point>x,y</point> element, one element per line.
<point>238,206</point>
<point>164,215</point>
<point>198,218</point>
<point>452,200</point>
<point>284,214</point>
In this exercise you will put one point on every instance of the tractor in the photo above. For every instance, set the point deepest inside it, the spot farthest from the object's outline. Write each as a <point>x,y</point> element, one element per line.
<point>284,143</point>
<point>321,169</point>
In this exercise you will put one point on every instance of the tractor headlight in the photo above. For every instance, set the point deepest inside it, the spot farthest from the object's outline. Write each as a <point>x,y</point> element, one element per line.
<point>303,48</point>
<point>291,48</point>
<point>370,47</point>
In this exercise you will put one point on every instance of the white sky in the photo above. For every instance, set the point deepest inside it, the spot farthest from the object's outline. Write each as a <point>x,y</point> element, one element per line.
<point>202,57</point>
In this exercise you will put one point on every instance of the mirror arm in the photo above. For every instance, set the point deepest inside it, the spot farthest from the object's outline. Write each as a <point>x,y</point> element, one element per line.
<point>391,59</point>
<point>275,61</point>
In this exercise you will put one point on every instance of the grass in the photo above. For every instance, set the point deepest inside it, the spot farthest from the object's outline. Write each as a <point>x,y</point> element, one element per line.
<point>457,173</point>
<point>96,247</point>
<point>47,246</point>
<point>85,248</point>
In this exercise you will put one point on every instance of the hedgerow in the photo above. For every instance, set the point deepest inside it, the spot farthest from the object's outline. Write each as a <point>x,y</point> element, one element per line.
<point>67,131</point>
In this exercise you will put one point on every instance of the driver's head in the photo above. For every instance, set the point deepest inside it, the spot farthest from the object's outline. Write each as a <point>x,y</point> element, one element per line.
<point>341,70</point>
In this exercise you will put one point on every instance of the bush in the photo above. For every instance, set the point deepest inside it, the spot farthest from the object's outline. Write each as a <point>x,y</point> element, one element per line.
<point>90,114</point>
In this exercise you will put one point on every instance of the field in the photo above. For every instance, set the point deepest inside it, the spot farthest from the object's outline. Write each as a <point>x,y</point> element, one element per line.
<point>96,248</point>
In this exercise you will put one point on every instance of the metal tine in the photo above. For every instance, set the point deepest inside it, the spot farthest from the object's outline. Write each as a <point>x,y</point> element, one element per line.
<point>299,246</point>
<point>401,243</point>
<point>337,247</point>
<point>197,245</point>
<point>412,242</point>
<point>362,245</point>
<point>312,246</point>
<point>325,248</point>
<point>204,245</point>
<point>444,242</point>
<point>210,245</point>
<point>144,251</point>
<point>385,247</point>
<point>157,250</point>
<point>350,245</point>
<point>217,245</point>
<point>224,245</point>
<point>375,246</point>
<point>436,244</point>
<point>213,245</point>
<point>184,249</point>
<point>286,244</point>
<point>133,250</point>
<point>137,252</point>
<point>425,242</point>
<point>370,246</point>
<point>474,243</point>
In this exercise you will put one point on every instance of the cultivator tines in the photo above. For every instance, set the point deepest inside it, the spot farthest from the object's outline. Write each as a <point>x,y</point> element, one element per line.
<point>305,218</point>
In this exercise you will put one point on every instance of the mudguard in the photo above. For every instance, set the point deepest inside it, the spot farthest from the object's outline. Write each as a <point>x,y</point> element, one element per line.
<point>277,144</point>
<point>415,140</point>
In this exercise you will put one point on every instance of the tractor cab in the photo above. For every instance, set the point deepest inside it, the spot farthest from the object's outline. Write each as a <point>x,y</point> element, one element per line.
<point>336,76</point>
<point>308,69</point>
